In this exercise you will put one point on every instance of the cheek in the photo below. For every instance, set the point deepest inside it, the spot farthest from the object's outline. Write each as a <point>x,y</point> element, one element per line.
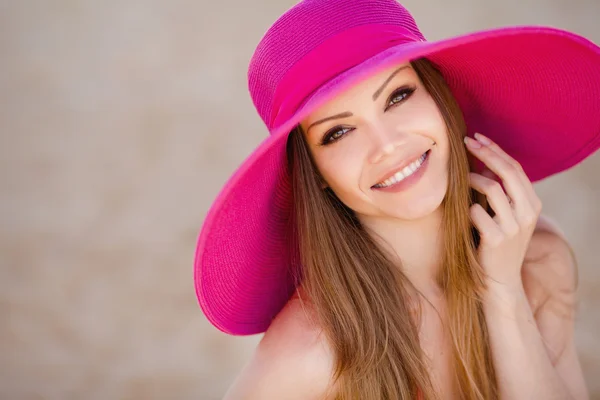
<point>342,168</point>
<point>425,117</point>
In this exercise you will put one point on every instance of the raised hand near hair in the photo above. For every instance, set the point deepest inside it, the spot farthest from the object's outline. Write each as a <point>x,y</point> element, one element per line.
<point>505,237</point>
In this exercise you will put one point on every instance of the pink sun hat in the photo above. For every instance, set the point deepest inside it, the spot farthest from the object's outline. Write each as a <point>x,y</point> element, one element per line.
<point>533,90</point>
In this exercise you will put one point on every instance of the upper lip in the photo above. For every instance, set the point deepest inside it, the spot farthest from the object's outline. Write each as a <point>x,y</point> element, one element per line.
<point>399,167</point>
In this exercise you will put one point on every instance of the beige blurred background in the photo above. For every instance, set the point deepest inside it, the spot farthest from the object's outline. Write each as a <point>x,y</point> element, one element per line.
<point>119,123</point>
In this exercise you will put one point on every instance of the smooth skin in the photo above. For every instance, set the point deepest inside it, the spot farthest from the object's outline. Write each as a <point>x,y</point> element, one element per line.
<point>530,304</point>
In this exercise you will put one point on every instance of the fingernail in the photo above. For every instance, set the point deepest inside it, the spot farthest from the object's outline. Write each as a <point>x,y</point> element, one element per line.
<point>482,139</point>
<point>472,143</point>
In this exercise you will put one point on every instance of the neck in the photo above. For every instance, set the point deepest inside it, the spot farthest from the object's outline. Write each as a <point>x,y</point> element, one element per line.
<point>417,243</point>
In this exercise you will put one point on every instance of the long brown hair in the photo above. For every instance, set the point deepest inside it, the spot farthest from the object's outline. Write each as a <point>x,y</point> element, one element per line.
<point>361,297</point>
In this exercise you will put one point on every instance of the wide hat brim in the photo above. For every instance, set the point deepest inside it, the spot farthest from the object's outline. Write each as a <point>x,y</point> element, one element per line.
<point>533,90</point>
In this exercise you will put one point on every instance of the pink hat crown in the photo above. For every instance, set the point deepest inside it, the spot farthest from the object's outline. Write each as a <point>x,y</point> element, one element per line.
<point>302,30</point>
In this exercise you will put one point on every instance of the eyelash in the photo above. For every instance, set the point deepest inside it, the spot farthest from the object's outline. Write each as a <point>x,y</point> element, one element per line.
<point>403,91</point>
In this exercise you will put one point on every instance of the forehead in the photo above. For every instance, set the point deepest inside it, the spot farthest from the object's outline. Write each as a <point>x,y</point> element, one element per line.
<point>364,90</point>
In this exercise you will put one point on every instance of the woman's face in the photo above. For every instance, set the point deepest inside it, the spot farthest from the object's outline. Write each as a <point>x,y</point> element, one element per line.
<point>382,146</point>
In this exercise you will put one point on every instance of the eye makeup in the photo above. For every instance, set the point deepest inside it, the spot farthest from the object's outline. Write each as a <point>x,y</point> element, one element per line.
<point>338,132</point>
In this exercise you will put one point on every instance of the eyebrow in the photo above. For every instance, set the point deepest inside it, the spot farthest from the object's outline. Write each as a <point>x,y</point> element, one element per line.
<point>347,114</point>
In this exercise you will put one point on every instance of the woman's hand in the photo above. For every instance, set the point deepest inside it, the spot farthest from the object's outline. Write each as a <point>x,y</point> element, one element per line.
<point>505,237</point>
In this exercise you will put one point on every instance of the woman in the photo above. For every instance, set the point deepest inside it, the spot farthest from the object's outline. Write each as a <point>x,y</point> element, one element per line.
<point>387,250</point>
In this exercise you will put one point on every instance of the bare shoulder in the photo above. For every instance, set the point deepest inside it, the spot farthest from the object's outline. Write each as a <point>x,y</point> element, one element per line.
<point>292,361</point>
<point>550,282</point>
<point>550,267</point>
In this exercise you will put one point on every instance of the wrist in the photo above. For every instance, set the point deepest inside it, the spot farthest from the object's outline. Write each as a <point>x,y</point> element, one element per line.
<point>507,287</point>
<point>506,298</point>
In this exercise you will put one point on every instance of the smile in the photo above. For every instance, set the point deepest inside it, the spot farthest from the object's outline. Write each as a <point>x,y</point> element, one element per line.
<point>404,173</point>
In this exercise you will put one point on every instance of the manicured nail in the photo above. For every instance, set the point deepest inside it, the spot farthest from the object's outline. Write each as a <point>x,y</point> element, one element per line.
<point>472,143</point>
<point>482,139</point>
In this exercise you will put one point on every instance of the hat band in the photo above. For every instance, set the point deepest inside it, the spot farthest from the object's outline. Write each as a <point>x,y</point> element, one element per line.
<point>332,57</point>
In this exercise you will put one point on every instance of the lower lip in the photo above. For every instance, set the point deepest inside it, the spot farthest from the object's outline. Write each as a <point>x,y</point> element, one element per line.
<point>406,183</point>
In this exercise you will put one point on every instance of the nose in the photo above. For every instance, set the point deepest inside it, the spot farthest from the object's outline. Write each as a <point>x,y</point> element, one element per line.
<point>384,142</point>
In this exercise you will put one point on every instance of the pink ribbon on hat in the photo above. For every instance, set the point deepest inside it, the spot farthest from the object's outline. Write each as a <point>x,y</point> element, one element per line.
<point>332,57</point>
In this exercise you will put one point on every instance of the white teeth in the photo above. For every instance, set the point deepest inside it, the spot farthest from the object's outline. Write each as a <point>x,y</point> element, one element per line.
<point>401,175</point>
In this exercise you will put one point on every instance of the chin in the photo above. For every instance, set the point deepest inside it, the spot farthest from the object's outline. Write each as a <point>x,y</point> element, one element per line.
<point>418,207</point>
<point>415,210</point>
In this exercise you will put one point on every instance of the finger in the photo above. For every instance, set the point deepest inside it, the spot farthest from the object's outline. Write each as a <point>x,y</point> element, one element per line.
<point>506,172</point>
<point>489,231</point>
<point>489,174</point>
<point>524,214</point>
<point>498,201</point>
<point>486,141</point>
<point>508,158</point>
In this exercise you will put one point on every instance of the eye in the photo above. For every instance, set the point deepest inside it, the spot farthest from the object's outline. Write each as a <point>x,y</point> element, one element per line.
<point>399,95</point>
<point>333,135</point>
